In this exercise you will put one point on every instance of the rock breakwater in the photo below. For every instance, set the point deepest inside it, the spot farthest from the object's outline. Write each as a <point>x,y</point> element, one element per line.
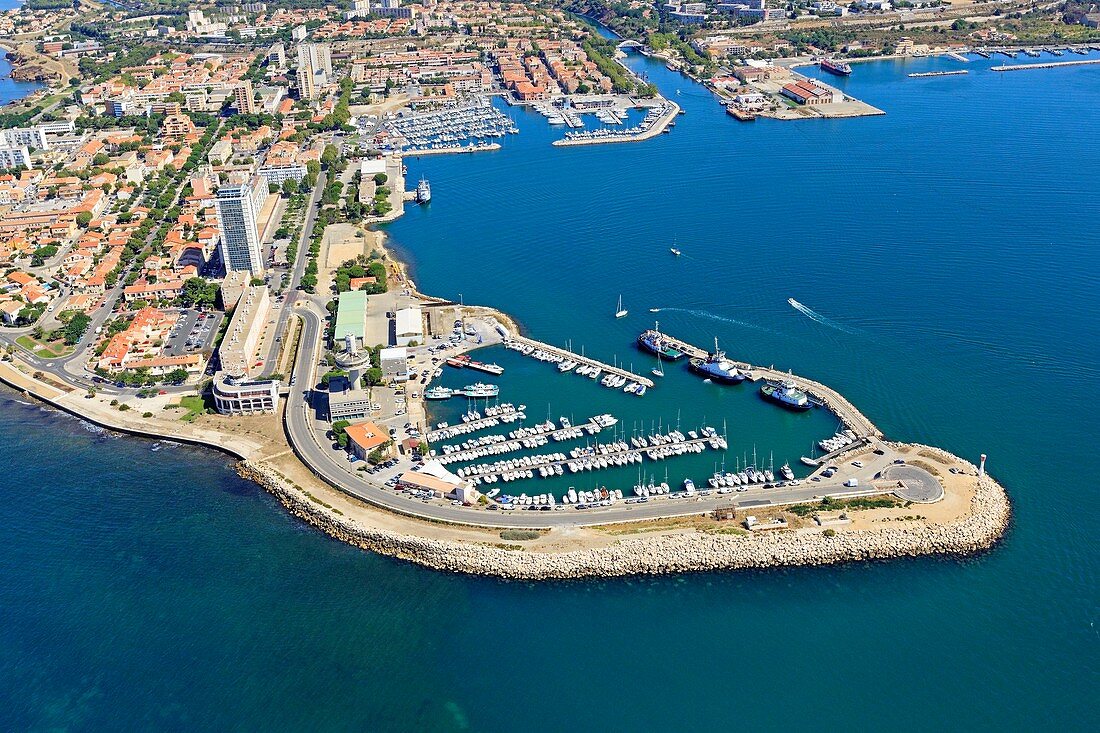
<point>979,530</point>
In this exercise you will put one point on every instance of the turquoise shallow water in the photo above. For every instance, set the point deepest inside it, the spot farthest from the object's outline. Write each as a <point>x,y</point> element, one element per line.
<point>952,246</point>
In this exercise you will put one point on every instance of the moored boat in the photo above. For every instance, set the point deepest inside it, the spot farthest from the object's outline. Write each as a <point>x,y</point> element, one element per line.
<point>655,342</point>
<point>717,367</point>
<point>785,393</point>
<point>836,67</point>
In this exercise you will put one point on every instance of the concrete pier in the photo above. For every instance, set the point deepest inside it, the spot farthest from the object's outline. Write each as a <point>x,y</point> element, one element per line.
<point>567,354</point>
<point>1050,65</point>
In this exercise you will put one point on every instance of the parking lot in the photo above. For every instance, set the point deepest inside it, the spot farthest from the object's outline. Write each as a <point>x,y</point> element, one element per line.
<point>193,332</point>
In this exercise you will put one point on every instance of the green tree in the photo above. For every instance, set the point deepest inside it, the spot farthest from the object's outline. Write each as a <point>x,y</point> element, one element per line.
<point>76,327</point>
<point>199,292</point>
<point>84,218</point>
<point>290,187</point>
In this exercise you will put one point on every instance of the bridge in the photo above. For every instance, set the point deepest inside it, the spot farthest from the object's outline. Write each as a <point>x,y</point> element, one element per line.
<point>631,44</point>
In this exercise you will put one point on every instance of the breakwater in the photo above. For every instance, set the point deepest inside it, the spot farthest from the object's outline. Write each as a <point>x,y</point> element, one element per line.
<point>980,529</point>
<point>1051,65</point>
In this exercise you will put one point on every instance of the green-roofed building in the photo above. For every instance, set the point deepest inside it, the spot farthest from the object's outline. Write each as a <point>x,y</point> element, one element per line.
<point>351,317</point>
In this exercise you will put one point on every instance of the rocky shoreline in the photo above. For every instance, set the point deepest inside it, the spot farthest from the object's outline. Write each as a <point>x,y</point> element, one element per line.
<point>990,513</point>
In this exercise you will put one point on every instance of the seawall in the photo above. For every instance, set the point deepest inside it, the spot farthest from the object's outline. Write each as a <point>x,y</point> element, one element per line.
<point>983,526</point>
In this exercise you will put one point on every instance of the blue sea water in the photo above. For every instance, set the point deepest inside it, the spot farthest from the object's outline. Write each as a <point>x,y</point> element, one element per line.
<point>9,88</point>
<point>949,246</point>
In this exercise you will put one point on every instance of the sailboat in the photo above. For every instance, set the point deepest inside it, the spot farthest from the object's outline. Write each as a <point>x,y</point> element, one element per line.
<point>657,371</point>
<point>620,313</point>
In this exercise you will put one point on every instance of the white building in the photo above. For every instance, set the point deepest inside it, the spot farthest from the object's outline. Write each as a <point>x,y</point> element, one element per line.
<point>237,351</point>
<point>15,156</point>
<point>31,137</point>
<point>238,208</point>
<point>408,326</point>
<point>314,69</point>
<point>242,396</point>
<point>394,362</point>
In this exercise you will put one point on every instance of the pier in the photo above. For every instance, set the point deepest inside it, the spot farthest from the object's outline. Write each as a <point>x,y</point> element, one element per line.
<point>852,418</point>
<point>536,436</point>
<point>465,428</point>
<point>628,136</point>
<point>921,74</point>
<point>448,150</point>
<point>581,360</point>
<point>1050,65</point>
<point>613,456</point>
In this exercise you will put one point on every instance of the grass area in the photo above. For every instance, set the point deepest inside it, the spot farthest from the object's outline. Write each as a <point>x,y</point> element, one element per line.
<point>47,349</point>
<point>520,534</point>
<point>194,406</point>
<point>828,504</point>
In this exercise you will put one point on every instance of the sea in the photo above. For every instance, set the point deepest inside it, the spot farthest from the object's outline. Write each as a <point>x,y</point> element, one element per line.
<point>946,257</point>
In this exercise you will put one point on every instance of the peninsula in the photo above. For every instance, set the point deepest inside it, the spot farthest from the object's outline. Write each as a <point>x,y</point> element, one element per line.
<point>189,230</point>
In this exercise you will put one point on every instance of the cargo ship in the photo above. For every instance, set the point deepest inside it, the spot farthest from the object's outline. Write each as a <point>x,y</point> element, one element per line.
<point>657,343</point>
<point>717,367</point>
<point>785,393</point>
<point>836,67</point>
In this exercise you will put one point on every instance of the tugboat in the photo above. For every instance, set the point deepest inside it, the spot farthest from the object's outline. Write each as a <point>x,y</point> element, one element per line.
<point>836,67</point>
<point>423,191</point>
<point>717,367</point>
<point>785,393</point>
<point>655,342</point>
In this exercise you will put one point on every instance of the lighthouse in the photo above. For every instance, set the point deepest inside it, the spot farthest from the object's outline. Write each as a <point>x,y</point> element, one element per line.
<point>981,466</point>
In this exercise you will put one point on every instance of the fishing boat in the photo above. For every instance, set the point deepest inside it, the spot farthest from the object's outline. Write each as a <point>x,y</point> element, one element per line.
<point>655,342</point>
<point>717,367</point>
<point>423,191</point>
<point>785,393</point>
<point>439,393</point>
<point>620,313</point>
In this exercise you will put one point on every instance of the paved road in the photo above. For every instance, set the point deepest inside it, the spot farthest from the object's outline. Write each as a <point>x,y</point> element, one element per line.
<point>919,485</point>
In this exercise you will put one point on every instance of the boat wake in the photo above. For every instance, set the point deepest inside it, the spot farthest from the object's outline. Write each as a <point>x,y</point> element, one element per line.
<point>815,316</point>
<point>711,316</point>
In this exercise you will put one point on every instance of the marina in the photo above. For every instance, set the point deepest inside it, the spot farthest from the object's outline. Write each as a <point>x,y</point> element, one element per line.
<point>455,128</point>
<point>474,421</point>
<point>657,120</point>
<point>522,438</point>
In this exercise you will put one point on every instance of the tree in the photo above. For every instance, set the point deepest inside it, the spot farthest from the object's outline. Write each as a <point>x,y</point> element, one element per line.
<point>256,282</point>
<point>273,188</point>
<point>329,155</point>
<point>84,218</point>
<point>176,376</point>
<point>380,178</point>
<point>290,187</point>
<point>372,376</point>
<point>339,429</point>
<point>198,292</point>
<point>75,329</point>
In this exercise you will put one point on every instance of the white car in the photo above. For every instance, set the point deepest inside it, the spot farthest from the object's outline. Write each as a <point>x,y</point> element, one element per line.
<point>857,464</point>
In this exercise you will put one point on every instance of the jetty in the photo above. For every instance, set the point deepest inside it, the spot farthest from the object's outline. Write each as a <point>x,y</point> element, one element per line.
<point>561,355</point>
<point>472,426</point>
<point>450,149</point>
<point>1049,65</point>
<point>920,74</point>
<point>828,397</point>
<point>958,57</point>
<point>644,131</point>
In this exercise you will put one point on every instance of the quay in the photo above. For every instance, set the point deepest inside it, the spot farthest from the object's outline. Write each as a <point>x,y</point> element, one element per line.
<point>581,360</point>
<point>1049,65</point>
<point>958,57</point>
<point>852,418</point>
<point>921,74</point>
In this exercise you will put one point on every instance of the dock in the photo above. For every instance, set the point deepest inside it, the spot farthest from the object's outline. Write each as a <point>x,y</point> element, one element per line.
<point>584,360</point>
<point>449,150</point>
<point>520,439</point>
<point>922,74</point>
<point>627,456</point>
<point>852,418</point>
<point>958,57</point>
<point>1049,65</point>
<point>465,428</point>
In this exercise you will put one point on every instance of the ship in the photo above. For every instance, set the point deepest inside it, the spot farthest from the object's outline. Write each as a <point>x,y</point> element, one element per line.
<point>785,393</point>
<point>423,191</point>
<point>439,393</point>
<point>495,369</point>
<point>717,367</point>
<point>657,343</point>
<point>836,67</point>
<point>480,389</point>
